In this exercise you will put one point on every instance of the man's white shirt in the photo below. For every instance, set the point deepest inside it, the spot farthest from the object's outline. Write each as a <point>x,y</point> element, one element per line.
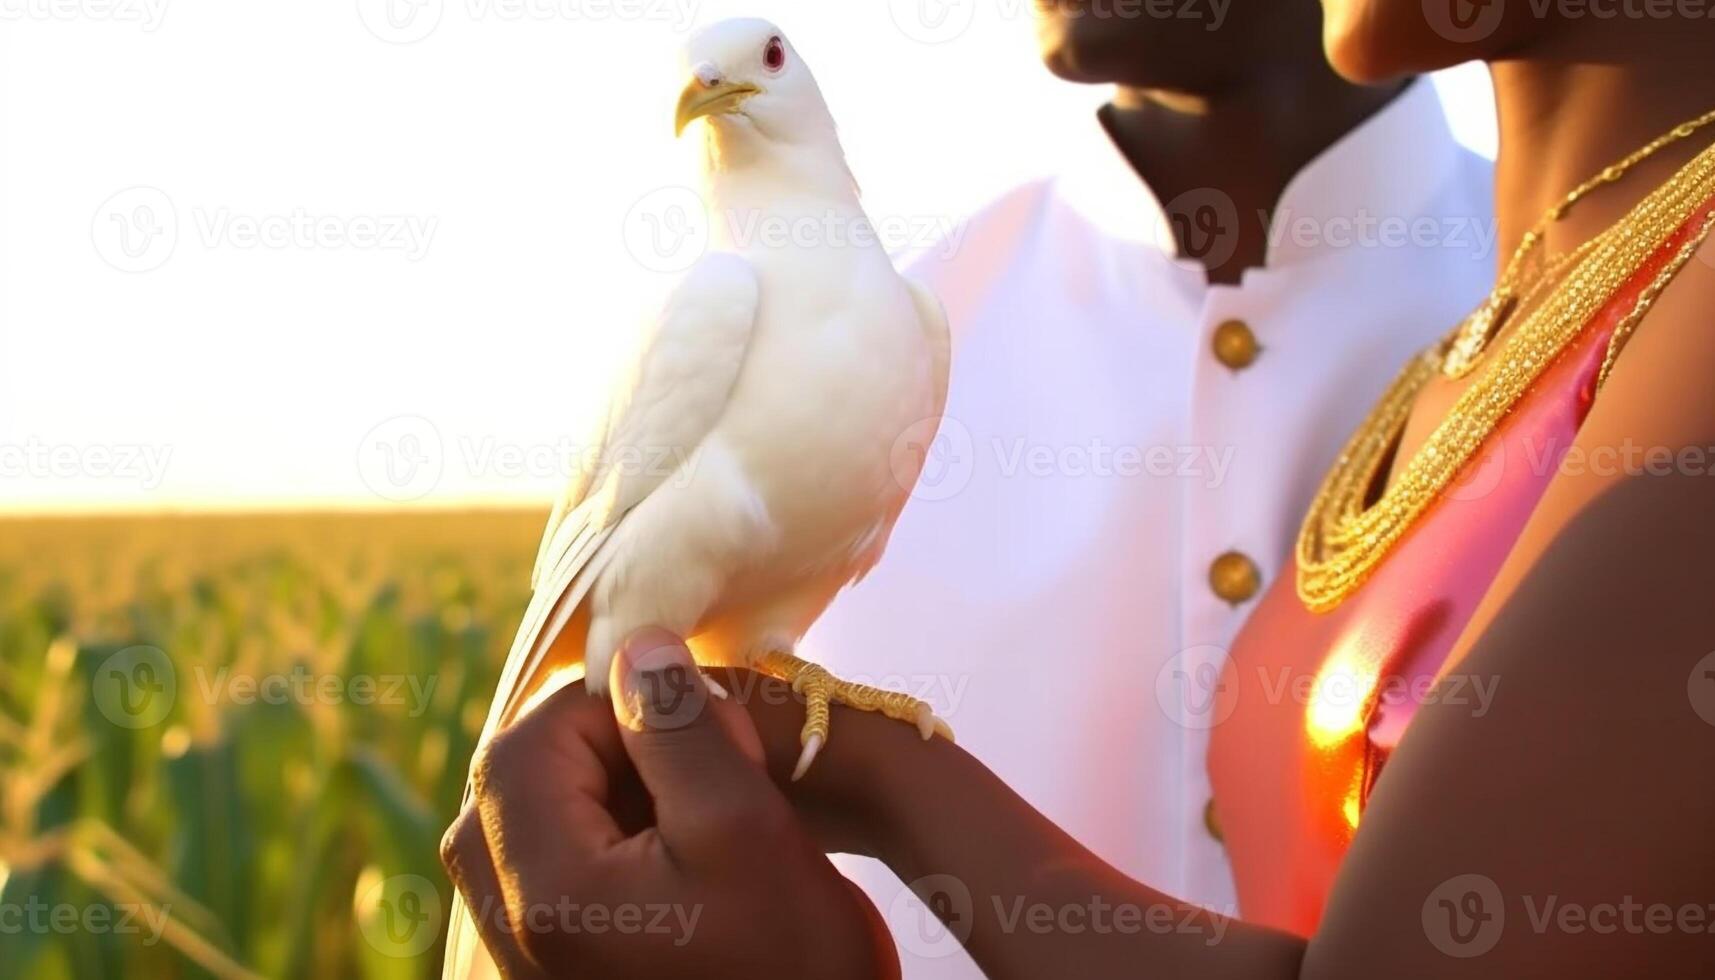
<point>1048,588</point>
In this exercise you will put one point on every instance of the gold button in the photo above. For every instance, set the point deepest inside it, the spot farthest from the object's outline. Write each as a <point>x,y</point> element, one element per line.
<point>1234,577</point>
<point>1235,345</point>
<point>1212,821</point>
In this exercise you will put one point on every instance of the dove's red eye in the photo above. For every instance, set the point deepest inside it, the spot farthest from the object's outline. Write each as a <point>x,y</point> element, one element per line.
<point>774,56</point>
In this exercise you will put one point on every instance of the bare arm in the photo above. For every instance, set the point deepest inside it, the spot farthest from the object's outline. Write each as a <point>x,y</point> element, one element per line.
<point>1582,793</point>
<point>1564,833</point>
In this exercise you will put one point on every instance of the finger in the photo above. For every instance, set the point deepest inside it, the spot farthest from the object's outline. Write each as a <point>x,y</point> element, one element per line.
<point>464,853</point>
<point>543,796</point>
<point>699,758</point>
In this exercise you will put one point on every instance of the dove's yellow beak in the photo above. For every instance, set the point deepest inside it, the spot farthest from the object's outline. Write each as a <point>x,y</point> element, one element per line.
<point>700,100</point>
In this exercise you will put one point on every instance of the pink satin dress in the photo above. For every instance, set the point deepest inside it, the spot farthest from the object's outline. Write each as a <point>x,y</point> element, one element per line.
<point>1320,700</point>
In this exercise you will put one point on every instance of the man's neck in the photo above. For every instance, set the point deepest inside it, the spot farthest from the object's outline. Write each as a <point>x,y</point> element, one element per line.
<point>1200,153</point>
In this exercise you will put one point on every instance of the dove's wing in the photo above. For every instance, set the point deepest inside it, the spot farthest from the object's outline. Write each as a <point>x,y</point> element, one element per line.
<point>660,413</point>
<point>932,320</point>
<point>570,497</point>
<point>932,316</point>
<point>677,389</point>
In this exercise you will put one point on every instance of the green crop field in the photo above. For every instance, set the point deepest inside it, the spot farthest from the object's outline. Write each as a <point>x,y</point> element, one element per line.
<point>229,744</point>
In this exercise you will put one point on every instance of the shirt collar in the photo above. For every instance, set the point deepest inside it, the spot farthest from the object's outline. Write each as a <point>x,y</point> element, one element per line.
<point>1386,169</point>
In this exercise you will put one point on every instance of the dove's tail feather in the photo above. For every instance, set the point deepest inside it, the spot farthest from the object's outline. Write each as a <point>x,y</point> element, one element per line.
<point>465,959</point>
<point>561,588</point>
<point>557,618</point>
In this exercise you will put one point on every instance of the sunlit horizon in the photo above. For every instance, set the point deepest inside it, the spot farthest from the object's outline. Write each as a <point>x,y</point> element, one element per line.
<point>427,236</point>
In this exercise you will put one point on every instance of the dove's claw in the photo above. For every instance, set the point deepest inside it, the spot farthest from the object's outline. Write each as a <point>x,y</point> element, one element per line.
<point>820,688</point>
<point>930,724</point>
<point>926,722</point>
<point>812,746</point>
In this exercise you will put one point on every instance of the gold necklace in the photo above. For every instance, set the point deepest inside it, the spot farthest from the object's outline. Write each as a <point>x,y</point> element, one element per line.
<point>1472,337</point>
<point>1344,538</point>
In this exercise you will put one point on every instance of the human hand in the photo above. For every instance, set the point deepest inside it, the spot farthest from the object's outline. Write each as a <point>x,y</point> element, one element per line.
<point>649,840</point>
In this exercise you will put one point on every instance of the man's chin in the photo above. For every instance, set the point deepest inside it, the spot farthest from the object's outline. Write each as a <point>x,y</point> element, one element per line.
<point>1094,50</point>
<point>1074,50</point>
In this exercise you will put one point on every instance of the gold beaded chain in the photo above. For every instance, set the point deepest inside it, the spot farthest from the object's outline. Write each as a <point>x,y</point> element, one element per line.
<point>1343,540</point>
<point>1473,336</point>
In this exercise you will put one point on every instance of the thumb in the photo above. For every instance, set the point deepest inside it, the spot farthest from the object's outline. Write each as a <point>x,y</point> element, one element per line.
<point>698,756</point>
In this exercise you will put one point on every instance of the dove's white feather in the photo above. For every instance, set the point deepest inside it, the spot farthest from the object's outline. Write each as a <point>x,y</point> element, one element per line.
<point>661,412</point>
<point>786,378</point>
<point>932,316</point>
<point>677,387</point>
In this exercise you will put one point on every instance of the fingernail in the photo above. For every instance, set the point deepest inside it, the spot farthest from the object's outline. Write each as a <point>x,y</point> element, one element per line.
<point>655,682</point>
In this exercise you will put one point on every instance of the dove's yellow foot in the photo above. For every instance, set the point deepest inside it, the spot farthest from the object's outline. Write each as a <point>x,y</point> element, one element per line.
<point>821,688</point>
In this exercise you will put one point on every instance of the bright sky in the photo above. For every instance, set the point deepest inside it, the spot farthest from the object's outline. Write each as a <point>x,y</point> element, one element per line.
<point>269,253</point>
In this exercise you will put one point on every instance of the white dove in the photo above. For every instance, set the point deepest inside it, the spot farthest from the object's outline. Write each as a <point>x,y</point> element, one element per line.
<point>786,378</point>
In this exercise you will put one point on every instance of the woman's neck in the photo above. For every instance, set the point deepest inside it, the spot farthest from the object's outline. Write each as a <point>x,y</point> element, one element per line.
<point>1583,100</point>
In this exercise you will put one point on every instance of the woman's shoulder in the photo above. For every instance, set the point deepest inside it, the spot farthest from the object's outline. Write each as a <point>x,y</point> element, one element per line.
<point>1658,388</point>
<point>1640,473</point>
